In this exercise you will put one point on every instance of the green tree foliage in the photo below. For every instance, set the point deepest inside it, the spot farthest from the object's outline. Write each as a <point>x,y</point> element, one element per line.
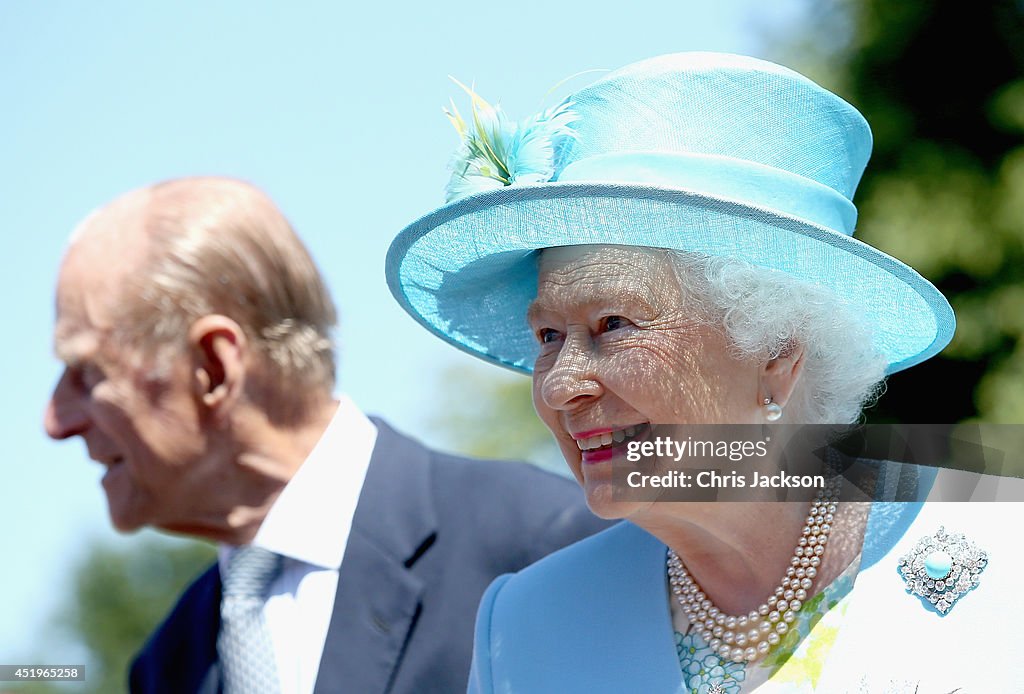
<point>942,84</point>
<point>119,596</point>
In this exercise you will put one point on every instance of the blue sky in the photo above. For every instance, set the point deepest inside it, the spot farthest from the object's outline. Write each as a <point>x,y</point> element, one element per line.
<point>335,111</point>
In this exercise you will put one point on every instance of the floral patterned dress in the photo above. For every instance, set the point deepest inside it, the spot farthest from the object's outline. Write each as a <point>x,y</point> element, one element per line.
<point>793,665</point>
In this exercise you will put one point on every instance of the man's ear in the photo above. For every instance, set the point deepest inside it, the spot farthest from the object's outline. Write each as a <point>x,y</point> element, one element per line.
<point>219,350</point>
<point>780,374</point>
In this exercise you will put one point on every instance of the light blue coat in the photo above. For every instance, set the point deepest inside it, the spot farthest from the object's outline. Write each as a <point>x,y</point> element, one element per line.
<point>594,616</point>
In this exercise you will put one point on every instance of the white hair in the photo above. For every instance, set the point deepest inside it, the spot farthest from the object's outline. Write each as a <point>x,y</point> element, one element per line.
<point>220,246</point>
<point>765,312</point>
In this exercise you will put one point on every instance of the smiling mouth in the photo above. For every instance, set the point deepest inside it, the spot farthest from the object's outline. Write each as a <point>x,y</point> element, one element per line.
<point>603,444</point>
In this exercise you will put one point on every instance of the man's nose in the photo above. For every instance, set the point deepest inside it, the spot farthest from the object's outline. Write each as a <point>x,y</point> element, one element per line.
<point>65,415</point>
<point>572,379</point>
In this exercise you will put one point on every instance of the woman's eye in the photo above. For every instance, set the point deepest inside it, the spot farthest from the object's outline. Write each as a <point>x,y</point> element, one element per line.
<point>610,323</point>
<point>546,335</point>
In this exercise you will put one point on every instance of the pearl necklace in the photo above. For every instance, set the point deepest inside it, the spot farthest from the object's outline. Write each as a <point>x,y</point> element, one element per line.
<point>747,637</point>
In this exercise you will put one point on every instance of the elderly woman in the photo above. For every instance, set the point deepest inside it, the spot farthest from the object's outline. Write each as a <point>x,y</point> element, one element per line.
<point>672,245</point>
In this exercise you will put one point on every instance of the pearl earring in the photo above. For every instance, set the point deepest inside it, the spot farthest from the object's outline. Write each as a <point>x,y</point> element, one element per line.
<point>772,410</point>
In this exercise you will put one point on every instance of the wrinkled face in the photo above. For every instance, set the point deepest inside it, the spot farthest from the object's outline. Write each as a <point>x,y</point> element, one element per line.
<point>622,347</point>
<point>142,426</point>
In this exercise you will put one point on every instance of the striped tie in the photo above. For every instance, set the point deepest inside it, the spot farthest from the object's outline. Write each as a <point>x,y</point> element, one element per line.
<point>243,644</point>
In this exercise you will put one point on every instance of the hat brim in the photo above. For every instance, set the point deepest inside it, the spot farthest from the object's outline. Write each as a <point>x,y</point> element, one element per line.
<point>468,271</point>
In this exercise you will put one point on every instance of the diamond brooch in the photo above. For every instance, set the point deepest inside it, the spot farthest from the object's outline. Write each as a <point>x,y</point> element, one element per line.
<point>942,568</point>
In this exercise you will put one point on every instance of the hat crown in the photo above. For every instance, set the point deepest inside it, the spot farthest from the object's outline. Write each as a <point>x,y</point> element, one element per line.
<point>711,154</point>
<point>726,106</point>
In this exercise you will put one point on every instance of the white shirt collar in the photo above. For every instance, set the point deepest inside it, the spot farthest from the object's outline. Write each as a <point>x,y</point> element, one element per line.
<point>311,519</point>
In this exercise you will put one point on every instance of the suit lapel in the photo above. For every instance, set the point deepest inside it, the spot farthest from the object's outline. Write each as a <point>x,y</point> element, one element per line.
<point>203,640</point>
<point>181,655</point>
<point>378,597</point>
<point>592,618</point>
<point>642,619</point>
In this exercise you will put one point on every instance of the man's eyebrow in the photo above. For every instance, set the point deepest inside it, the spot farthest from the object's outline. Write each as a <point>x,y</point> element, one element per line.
<point>65,353</point>
<point>72,349</point>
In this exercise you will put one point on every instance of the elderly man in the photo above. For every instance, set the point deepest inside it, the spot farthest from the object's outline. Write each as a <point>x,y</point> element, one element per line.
<point>195,329</point>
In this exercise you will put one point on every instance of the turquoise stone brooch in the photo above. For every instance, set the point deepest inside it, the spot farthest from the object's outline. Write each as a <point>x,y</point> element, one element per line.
<point>942,568</point>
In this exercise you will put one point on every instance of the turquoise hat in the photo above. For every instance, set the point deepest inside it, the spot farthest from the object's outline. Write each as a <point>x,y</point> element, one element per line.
<point>710,153</point>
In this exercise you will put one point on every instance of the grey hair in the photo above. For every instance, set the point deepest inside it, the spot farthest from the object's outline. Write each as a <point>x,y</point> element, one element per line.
<point>220,246</point>
<point>764,312</point>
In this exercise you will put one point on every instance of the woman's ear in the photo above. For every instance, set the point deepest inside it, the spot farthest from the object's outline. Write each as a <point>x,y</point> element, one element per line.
<point>780,374</point>
<point>219,350</point>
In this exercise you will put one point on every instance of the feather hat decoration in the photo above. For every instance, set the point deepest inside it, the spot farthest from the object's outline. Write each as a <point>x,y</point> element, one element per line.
<point>496,152</point>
